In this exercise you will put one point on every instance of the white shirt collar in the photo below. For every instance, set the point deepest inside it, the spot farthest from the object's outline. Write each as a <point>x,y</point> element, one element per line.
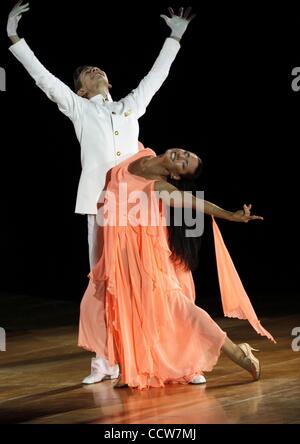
<point>100,98</point>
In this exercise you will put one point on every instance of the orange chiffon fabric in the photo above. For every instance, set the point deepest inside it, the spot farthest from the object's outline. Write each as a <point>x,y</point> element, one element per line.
<point>139,307</point>
<point>235,301</point>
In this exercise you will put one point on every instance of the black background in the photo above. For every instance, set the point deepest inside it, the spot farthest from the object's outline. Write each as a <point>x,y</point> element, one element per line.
<point>228,97</point>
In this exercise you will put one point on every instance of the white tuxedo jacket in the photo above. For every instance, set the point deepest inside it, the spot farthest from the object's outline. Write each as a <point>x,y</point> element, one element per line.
<point>107,131</point>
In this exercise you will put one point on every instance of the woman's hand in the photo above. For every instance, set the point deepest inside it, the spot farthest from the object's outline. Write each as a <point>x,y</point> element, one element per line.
<point>244,215</point>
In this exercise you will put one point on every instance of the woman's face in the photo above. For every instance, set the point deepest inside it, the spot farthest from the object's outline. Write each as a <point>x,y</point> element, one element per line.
<point>180,162</point>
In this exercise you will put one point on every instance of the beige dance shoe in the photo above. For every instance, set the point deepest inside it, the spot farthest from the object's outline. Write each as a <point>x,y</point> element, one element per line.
<point>251,361</point>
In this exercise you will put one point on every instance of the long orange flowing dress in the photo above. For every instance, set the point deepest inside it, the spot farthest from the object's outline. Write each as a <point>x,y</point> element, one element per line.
<point>139,307</point>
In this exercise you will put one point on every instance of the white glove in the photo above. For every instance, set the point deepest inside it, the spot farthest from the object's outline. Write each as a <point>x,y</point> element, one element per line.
<point>14,16</point>
<point>178,23</point>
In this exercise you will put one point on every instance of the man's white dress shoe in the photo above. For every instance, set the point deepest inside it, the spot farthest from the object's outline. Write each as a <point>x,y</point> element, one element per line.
<point>98,373</point>
<point>198,379</point>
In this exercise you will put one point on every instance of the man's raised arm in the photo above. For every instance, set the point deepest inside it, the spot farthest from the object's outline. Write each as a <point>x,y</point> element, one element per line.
<point>68,102</point>
<point>142,95</point>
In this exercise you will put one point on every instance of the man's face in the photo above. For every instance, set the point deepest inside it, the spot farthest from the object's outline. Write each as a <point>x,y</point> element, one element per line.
<point>93,78</point>
<point>181,162</point>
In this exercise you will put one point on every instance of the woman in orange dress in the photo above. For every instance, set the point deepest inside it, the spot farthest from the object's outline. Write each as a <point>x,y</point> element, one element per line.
<point>149,323</point>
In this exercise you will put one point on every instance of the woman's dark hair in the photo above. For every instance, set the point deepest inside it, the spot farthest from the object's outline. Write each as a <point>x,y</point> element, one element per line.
<point>76,77</point>
<point>185,250</point>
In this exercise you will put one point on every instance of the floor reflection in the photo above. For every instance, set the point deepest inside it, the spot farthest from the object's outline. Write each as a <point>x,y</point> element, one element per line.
<point>173,404</point>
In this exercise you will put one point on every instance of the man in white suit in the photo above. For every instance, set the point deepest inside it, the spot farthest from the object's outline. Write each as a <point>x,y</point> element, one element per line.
<point>106,130</point>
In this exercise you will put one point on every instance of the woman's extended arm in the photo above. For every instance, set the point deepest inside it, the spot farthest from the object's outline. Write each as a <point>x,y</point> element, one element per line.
<point>171,196</point>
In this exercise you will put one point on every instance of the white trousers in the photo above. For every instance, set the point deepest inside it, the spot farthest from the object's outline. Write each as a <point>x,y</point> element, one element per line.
<point>101,363</point>
<point>92,239</point>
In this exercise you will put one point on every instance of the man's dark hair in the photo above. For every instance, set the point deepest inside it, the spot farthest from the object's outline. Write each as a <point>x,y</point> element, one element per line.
<point>76,77</point>
<point>185,250</point>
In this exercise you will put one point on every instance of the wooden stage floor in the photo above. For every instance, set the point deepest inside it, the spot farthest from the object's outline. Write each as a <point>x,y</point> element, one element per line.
<point>42,369</point>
